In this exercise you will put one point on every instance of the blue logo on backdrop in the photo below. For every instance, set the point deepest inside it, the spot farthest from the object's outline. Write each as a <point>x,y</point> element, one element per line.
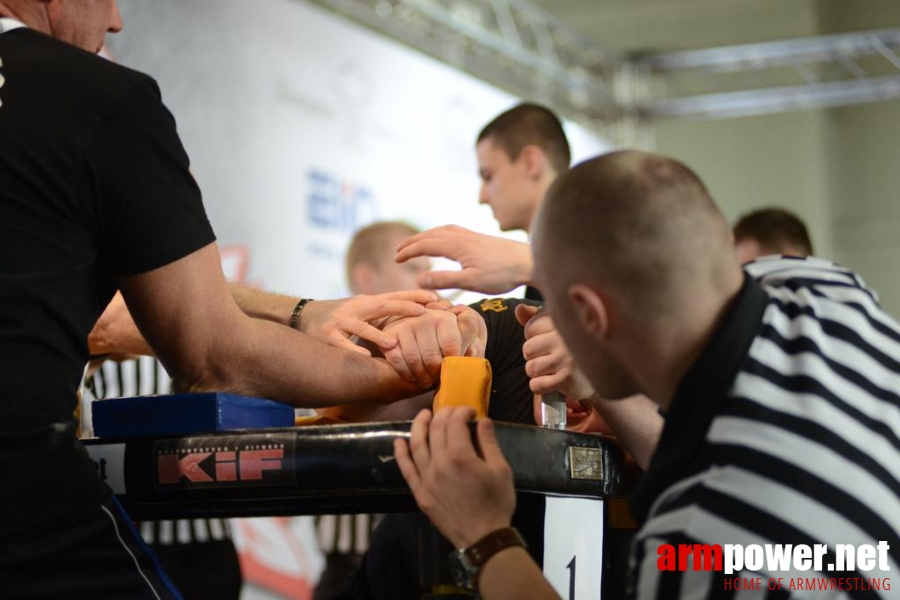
<point>339,204</point>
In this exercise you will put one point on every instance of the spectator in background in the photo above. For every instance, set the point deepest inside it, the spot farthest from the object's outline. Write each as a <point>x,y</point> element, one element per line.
<point>370,267</point>
<point>520,154</point>
<point>770,231</point>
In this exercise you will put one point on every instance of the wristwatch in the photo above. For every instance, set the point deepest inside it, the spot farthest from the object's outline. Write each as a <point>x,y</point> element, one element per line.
<point>466,563</point>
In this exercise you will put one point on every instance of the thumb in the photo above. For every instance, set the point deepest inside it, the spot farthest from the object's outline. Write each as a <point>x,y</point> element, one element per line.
<point>524,312</point>
<point>487,443</point>
<point>441,280</point>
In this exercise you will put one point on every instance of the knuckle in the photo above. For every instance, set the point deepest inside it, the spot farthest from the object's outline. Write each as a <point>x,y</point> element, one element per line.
<point>426,501</point>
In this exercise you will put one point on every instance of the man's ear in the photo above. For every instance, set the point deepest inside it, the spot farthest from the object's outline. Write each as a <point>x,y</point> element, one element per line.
<point>591,310</point>
<point>362,278</point>
<point>533,160</point>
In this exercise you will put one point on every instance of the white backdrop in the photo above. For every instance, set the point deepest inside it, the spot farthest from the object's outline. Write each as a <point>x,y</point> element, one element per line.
<point>302,127</point>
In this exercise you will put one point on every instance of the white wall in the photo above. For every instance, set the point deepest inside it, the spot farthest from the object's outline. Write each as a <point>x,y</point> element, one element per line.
<point>302,127</point>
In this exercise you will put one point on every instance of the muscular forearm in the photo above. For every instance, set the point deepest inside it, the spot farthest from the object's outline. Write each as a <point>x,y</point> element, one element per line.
<point>636,423</point>
<point>258,304</point>
<point>205,341</point>
<point>511,575</point>
<point>271,361</point>
<point>278,363</point>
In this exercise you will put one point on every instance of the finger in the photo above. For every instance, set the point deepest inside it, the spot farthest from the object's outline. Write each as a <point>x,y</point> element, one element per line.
<point>476,349</point>
<point>442,304</point>
<point>459,437</point>
<point>546,365</point>
<point>423,235</point>
<point>469,331</point>
<point>384,307</point>
<point>488,444</point>
<point>420,442</point>
<point>435,233</point>
<point>364,331</point>
<point>394,356</point>
<point>433,351</point>
<point>524,312</point>
<point>339,340</point>
<point>543,345</point>
<point>418,296</point>
<point>412,354</point>
<point>431,348</point>
<point>449,336</point>
<point>546,383</point>
<point>427,244</point>
<point>437,432</point>
<point>441,280</point>
<point>406,464</point>
<point>540,323</point>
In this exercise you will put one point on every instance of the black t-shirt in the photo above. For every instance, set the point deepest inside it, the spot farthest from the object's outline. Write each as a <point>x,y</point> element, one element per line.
<point>511,398</point>
<point>94,184</point>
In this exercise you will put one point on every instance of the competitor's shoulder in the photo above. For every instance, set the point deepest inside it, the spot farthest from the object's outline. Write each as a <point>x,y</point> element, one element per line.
<point>499,306</point>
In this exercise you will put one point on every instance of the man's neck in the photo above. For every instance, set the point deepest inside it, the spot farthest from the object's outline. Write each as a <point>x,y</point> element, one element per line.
<point>546,182</point>
<point>29,14</point>
<point>7,12</point>
<point>672,349</point>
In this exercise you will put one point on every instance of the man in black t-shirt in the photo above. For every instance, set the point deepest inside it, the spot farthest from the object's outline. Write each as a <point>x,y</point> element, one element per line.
<point>91,171</point>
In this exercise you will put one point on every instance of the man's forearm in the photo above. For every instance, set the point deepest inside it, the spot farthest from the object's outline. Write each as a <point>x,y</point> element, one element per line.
<point>521,263</point>
<point>261,358</point>
<point>258,304</point>
<point>512,575</point>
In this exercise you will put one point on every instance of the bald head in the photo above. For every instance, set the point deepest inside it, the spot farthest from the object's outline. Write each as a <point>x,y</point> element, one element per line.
<point>641,226</point>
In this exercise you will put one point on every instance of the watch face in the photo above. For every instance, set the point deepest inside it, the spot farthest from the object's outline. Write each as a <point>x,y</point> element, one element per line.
<point>462,575</point>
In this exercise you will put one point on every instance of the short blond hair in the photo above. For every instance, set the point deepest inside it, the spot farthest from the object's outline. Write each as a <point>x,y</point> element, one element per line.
<point>372,244</point>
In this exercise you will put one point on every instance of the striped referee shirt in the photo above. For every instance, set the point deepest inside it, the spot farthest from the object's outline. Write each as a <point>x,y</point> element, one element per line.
<point>786,430</point>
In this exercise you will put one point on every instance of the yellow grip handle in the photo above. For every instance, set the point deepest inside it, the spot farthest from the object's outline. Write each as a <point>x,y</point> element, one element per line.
<point>465,381</point>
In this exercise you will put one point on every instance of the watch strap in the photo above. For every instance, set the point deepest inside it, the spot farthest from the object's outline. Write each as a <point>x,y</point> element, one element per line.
<point>484,549</point>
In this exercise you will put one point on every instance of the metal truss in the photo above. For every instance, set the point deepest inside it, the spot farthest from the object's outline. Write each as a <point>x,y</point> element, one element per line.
<point>511,43</point>
<point>519,47</point>
<point>818,72</point>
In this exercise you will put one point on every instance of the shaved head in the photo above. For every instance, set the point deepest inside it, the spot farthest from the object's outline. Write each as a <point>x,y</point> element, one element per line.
<point>636,264</point>
<point>639,223</point>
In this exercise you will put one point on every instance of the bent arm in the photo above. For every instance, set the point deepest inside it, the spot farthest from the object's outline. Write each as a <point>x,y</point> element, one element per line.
<point>186,313</point>
<point>636,423</point>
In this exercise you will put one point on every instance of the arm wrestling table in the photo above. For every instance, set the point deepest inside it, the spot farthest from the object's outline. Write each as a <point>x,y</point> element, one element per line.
<point>333,469</point>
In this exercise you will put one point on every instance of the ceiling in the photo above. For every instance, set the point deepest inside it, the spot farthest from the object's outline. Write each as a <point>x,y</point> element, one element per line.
<point>639,26</point>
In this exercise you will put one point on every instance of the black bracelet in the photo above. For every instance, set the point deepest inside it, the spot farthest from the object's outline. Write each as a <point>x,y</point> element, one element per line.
<point>295,315</point>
